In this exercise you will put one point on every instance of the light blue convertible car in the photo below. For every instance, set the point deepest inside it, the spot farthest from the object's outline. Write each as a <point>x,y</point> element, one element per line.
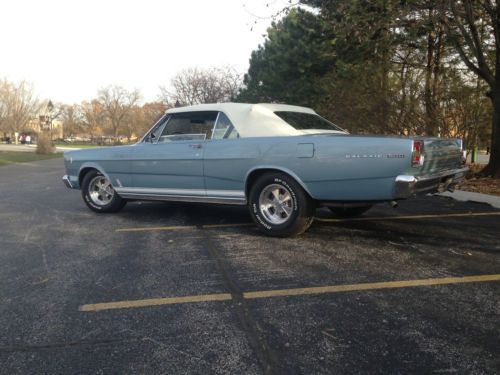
<point>282,161</point>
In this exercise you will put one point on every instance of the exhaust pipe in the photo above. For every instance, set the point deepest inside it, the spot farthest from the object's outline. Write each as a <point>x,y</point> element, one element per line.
<point>394,204</point>
<point>446,186</point>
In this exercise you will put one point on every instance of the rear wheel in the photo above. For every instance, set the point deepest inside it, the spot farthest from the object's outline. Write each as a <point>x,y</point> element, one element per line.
<point>350,211</point>
<point>279,206</point>
<point>99,195</point>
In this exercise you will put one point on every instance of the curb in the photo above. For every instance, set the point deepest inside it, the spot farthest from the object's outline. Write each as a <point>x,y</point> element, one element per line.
<point>464,196</point>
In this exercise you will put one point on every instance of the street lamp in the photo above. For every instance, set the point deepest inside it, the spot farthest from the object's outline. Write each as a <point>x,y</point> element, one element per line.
<point>50,108</point>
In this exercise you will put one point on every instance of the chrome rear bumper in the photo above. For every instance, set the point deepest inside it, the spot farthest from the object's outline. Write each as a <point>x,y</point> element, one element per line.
<point>407,186</point>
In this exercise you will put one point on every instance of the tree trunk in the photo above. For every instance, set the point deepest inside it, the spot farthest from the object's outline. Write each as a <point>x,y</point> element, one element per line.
<point>386,58</point>
<point>385,91</point>
<point>428,99</point>
<point>493,167</point>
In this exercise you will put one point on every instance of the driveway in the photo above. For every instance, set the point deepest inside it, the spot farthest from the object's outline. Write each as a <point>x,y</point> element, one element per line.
<point>186,288</point>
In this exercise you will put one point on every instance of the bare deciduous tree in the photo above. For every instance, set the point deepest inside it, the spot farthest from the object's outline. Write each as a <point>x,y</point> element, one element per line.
<point>131,123</point>
<point>93,117</point>
<point>4,91</point>
<point>71,117</point>
<point>18,105</point>
<point>117,103</point>
<point>140,119</point>
<point>197,86</point>
<point>151,114</point>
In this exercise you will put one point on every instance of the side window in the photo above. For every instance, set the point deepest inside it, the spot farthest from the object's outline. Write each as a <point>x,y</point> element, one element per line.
<point>154,133</point>
<point>189,126</point>
<point>224,128</point>
<point>233,133</point>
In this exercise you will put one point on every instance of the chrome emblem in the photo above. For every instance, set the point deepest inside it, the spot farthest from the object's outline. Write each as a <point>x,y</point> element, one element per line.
<point>395,156</point>
<point>363,156</point>
<point>375,156</point>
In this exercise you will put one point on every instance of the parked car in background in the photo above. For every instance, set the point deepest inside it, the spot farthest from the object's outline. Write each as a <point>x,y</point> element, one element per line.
<point>282,161</point>
<point>72,139</point>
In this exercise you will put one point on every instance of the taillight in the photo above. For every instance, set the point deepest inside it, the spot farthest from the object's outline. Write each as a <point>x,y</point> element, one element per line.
<point>417,158</point>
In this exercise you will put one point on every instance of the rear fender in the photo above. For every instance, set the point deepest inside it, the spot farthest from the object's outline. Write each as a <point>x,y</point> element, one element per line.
<point>274,168</point>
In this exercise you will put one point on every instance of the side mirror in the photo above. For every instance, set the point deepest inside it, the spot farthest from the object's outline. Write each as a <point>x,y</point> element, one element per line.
<point>152,137</point>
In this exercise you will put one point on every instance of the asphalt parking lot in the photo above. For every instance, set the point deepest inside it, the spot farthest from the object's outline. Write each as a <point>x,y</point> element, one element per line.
<point>184,288</point>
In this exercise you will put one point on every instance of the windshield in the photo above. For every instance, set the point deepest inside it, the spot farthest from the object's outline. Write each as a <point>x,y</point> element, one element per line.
<point>307,121</point>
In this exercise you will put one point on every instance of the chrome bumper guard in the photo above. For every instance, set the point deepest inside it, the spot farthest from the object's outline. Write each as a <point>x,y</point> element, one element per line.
<point>407,186</point>
<point>67,182</point>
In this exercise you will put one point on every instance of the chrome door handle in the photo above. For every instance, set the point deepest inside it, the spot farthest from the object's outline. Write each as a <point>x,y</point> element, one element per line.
<point>195,146</point>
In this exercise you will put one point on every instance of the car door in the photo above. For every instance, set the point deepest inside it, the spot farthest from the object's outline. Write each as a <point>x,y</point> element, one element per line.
<point>170,161</point>
<point>227,159</point>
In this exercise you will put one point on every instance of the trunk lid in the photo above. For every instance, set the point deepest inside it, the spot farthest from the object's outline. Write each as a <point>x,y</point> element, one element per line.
<point>440,154</point>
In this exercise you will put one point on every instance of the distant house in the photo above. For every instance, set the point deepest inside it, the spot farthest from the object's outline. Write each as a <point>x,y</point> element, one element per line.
<point>43,123</point>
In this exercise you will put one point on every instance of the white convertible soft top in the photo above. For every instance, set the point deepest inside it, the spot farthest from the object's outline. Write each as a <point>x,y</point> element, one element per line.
<point>253,120</point>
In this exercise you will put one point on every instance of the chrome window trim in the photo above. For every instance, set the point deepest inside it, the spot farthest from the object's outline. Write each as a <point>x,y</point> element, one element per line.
<point>143,139</point>
<point>215,125</point>
<point>162,129</point>
<point>184,140</point>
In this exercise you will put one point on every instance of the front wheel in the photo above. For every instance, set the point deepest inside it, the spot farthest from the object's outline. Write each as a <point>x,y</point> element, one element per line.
<point>279,206</point>
<point>99,195</point>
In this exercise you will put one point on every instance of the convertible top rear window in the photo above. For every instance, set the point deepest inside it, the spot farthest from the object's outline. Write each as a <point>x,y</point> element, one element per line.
<point>306,121</point>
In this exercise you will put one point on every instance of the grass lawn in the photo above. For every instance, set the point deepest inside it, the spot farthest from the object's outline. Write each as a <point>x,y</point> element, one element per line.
<point>9,157</point>
<point>76,145</point>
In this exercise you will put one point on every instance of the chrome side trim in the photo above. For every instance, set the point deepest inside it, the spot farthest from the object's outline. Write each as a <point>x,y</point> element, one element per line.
<point>227,193</point>
<point>183,192</point>
<point>67,182</point>
<point>184,198</point>
<point>184,195</point>
<point>151,191</point>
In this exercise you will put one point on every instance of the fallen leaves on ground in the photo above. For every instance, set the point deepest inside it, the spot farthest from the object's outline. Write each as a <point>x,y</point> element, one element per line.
<point>483,185</point>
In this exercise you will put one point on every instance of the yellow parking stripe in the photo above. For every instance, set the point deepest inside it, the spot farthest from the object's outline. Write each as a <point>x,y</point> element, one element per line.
<point>155,302</point>
<point>183,227</point>
<point>320,220</point>
<point>408,217</point>
<point>290,292</point>
<point>152,229</point>
<point>208,226</point>
<point>369,286</point>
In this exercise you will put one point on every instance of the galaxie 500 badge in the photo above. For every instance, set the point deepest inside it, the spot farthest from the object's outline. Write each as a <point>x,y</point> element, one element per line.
<point>374,156</point>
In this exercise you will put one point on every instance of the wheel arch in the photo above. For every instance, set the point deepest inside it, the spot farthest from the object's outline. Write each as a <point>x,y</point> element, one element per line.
<point>87,167</point>
<point>255,173</point>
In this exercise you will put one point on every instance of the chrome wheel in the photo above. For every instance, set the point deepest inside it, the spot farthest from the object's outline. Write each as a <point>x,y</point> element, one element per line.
<point>100,191</point>
<point>276,204</point>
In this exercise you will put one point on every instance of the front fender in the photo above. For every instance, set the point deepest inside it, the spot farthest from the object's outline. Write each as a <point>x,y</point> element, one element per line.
<point>92,165</point>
